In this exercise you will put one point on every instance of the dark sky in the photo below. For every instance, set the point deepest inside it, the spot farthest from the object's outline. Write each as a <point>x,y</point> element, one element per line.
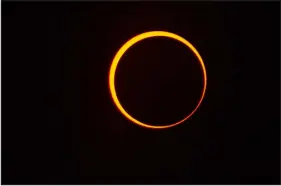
<point>60,126</point>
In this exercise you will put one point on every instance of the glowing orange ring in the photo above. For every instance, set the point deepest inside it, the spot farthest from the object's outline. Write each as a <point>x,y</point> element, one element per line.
<point>120,53</point>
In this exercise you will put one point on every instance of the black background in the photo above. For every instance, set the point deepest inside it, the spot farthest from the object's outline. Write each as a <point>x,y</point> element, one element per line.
<point>60,126</point>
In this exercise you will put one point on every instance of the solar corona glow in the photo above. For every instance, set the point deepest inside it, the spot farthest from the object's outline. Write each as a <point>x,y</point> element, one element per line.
<point>122,51</point>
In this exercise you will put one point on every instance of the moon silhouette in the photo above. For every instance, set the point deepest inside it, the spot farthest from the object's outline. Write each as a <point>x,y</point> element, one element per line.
<point>123,50</point>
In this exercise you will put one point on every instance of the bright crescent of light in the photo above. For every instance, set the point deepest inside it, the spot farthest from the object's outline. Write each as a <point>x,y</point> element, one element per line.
<point>119,55</point>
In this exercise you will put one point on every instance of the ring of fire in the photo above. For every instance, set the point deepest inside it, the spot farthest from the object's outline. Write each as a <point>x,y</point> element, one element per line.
<point>122,51</point>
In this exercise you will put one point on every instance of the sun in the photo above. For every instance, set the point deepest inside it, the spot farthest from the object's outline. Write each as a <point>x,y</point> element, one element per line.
<point>123,50</point>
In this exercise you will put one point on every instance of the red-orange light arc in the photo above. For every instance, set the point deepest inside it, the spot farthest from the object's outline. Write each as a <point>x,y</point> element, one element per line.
<point>123,50</point>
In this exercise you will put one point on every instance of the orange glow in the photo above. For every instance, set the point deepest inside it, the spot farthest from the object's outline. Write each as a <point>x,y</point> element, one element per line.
<point>121,52</point>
